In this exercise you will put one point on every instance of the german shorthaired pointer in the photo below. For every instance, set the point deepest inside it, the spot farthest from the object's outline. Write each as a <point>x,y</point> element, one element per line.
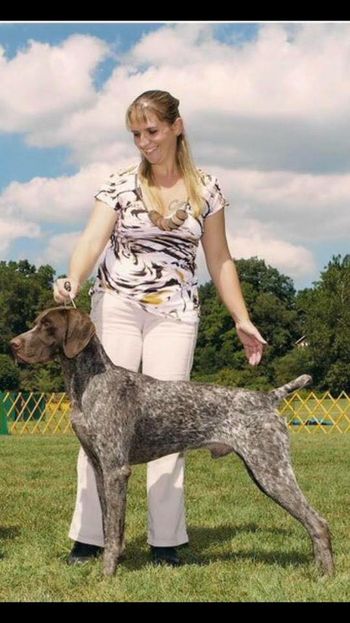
<point>123,418</point>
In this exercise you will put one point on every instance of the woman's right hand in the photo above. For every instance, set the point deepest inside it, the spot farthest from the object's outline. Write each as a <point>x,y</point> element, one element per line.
<point>61,294</point>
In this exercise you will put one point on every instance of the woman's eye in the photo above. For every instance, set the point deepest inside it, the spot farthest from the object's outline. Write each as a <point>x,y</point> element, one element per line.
<point>152,131</point>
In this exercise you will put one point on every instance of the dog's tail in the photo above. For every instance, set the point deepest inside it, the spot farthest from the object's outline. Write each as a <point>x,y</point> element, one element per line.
<point>280,392</point>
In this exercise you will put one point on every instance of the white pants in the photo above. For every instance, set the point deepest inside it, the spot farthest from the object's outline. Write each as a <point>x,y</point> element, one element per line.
<point>165,348</point>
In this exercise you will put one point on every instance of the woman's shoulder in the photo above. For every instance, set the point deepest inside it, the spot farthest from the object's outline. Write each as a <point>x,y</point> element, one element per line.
<point>210,182</point>
<point>124,175</point>
<point>207,179</point>
<point>123,180</point>
<point>212,192</point>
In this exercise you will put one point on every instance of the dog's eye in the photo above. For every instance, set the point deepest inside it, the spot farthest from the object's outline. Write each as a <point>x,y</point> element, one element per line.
<point>46,324</point>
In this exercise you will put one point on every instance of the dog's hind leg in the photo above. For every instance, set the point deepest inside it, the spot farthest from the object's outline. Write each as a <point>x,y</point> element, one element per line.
<point>270,468</point>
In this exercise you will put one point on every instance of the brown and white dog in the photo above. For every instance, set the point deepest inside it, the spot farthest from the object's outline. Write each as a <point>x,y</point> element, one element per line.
<point>123,418</point>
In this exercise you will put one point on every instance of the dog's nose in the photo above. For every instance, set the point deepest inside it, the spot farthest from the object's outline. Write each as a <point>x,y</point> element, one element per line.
<point>15,343</point>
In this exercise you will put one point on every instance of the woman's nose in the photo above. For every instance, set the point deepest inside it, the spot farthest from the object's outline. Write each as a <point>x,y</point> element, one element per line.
<point>143,141</point>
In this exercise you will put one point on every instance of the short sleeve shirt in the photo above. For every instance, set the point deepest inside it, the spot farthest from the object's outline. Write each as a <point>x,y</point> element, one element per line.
<point>146,265</point>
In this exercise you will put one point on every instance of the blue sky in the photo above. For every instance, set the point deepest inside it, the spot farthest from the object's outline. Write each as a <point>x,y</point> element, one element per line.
<point>121,37</point>
<point>265,105</point>
<point>13,38</point>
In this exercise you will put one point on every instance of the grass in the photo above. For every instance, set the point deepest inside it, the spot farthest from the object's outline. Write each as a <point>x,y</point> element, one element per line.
<point>244,548</point>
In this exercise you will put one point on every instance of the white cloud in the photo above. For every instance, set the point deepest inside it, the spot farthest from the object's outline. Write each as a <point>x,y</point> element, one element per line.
<point>281,72</point>
<point>256,240</point>
<point>270,213</point>
<point>270,117</point>
<point>299,206</point>
<point>43,83</point>
<point>293,260</point>
<point>59,249</point>
<point>281,101</point>
<point>12,228</point>
<point>182,44</point>
<point>67,199</point>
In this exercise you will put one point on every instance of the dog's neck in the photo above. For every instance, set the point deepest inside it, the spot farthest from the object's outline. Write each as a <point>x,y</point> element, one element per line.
<point>79,370</point>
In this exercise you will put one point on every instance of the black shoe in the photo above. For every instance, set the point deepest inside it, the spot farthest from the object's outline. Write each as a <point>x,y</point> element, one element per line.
<point>83,552</point>
<point>165,556</point>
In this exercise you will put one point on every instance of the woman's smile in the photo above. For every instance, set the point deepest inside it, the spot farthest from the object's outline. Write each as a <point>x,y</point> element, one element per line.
<point>155,139</point>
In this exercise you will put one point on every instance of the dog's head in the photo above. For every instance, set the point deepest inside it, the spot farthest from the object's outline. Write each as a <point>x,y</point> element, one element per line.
<point>59,329</point>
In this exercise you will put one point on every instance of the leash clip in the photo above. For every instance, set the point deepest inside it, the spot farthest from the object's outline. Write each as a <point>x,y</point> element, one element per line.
<point>67,286</point>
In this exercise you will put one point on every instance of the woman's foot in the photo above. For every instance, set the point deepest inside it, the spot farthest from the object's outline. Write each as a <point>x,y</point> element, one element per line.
<point>165,556</point>
<point>83,552</point>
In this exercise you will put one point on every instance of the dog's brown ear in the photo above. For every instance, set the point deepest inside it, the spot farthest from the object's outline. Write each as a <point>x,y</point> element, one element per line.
<point>80,330</point>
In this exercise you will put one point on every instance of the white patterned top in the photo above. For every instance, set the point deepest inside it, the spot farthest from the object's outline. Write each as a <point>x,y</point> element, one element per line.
<point>149,266</point>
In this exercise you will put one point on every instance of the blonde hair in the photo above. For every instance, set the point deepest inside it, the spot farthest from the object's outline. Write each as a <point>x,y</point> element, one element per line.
<point>166,108</point>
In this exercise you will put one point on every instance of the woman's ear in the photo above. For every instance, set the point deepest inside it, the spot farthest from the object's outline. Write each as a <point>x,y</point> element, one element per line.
<point>178,126</point>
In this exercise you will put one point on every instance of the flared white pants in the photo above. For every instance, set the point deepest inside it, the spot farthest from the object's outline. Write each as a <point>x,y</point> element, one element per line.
<point>164,349</point>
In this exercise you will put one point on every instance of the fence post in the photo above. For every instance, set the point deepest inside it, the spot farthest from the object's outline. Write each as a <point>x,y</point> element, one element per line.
<point>3,416</point>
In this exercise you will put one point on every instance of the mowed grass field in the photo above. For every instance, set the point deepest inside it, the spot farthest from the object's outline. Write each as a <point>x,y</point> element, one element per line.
<point>243,547</point>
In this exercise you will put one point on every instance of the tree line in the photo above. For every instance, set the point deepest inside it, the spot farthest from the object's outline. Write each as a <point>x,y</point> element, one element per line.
<point>320,315</point>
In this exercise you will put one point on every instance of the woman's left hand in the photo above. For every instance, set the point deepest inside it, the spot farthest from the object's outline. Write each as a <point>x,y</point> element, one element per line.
<point>252,341</point>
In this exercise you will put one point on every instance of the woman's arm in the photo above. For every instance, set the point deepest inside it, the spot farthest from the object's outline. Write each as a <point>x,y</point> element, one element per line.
<point>224,275</point>
<point>87,251</point>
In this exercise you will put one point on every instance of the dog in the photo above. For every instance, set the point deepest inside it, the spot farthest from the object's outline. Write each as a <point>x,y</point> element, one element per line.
<point>124,418</point>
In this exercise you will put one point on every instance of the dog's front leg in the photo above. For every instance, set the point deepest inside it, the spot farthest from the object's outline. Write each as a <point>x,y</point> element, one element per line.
<point>115,481</point>
<point>86,441</point>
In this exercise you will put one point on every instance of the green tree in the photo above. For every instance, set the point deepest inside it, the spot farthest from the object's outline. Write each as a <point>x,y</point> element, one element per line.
<point>296,362</point>
<point>46,377</point>
<point>325,316</point>
<point>24,292</point>
<point>9,374</point>
<point>257,278</point>
<point>338,378</point>
<point>270,298</point>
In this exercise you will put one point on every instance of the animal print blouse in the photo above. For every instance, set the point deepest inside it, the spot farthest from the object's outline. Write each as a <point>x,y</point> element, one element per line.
<point>147,264</point>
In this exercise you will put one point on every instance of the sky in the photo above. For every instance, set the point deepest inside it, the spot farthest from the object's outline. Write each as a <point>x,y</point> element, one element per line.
<point>266,108</point>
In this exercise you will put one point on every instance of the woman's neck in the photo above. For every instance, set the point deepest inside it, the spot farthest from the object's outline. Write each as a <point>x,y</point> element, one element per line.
<point>165,175</point>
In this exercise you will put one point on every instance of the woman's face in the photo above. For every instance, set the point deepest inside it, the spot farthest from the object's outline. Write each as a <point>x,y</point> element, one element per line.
<point>156,140</point>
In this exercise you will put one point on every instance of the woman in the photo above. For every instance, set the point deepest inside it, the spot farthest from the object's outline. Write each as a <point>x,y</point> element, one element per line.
<point>145,301</point>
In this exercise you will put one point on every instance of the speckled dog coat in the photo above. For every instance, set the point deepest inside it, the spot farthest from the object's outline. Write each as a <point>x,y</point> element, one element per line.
<point>122,418</point>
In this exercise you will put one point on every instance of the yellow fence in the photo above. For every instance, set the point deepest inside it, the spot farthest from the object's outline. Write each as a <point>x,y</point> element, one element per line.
<point>311,412</point>
<point>32,413</point>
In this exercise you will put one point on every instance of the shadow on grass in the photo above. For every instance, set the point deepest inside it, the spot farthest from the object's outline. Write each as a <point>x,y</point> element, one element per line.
<point>203,538</point>
<point>272,558</point>
<point>227,532</point>
<point>137,555</point>
<point>10,532</point>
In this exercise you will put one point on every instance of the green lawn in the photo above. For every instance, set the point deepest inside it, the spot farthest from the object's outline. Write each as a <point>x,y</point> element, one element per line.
<point>244,547</point>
